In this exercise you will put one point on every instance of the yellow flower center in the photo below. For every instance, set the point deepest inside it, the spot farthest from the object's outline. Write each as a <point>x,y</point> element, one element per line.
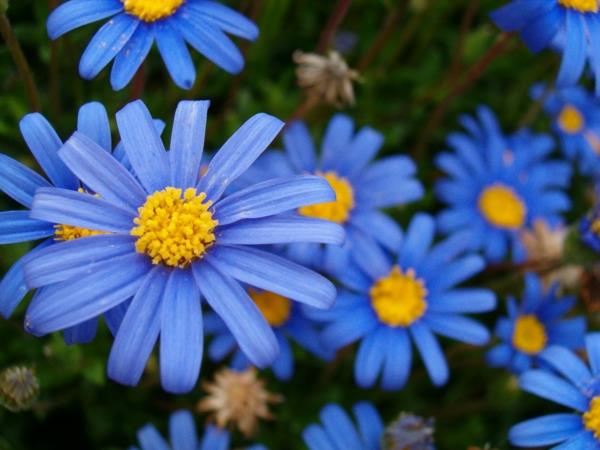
<point>69,232</point>
<point>591,418</point>
<point>570,120</point>
<point>529,335</point>
<point>337,211</point>
<point>152,10</point>
<point>399,299</point>
<point>174,229</point>
<point>275,308</point>
<point>583,6</point>
<point>502,207</point>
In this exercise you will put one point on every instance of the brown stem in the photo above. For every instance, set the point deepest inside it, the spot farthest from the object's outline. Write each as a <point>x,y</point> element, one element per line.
<point>465,26</point>
<point>307,105</point>
<point>21,62</point>
<point>536,107</point>
<point>337,16</point>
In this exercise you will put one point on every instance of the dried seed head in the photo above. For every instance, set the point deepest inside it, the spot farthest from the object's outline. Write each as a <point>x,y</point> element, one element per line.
<point>409,432</point>
<point>19,388</point>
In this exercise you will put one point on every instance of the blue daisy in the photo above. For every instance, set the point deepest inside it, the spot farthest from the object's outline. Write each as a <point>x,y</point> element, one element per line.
<point>134,25</point>
<point>389,302</point>
<point>20,183</point>
<point>569,25</point>
<point>362,187</point>
<point>184,436</point>
<point>572,384</point>
<point>498,185</point>
<point>337,431</point>
<point>289,324</point>
<point>575,116</point>
<point>170,237</point>
<point>589,230</point>
<point>535,325</point>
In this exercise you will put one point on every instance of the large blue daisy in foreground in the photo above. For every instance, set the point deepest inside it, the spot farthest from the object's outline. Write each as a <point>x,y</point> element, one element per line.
<point>169,235</point>
<point>535,325</point>
<point>391,301</point>
<point>499,185</point>
<point>134,26</point>
<point>569,25</point>
<point>572,384</point>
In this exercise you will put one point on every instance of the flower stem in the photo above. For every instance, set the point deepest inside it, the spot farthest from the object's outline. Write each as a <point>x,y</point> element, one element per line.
<point>337,16</point>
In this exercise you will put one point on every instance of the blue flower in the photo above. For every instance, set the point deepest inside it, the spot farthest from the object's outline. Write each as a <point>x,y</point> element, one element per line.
<point>390,302</point>
<point>289,324</point>
<point>570,25</point>
<point>337,431</point>
<point>134,25</point>
<point>20,183</point>
<point>572,384</point>
<point>589,230</point>
<point>499,185</point>
<point>534,326</point>
<point>575,116</point>
<point>170,237</point>
<point>183,436</point>
<point>362,187</point>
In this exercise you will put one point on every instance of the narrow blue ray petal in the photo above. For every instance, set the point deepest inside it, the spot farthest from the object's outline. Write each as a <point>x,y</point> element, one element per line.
<point>283,367</point>
<point>592,345</point>
<point>114,316</point>
<point>272,197</point>
<point>300,148</point>
<point>102,173</point>
<point>66,304</point>
<point>181,336</point>
<point>243,318</point>
<point>221,346</point>
<point>78,209</point>
<point>281,230</point>
<point>541,31</point>
<point>337,139</point>
<point>143,146</point>
<point>456,272</point>
<point>516,15</point>
<point>417,241</point>
<point>457,327</point>
<point>371,258</point>
<point>545,430</point>
<point>370,425</point>
<point>568,364</point>
<point>569,333</point>
<point>215,439</point>
<point>44,144</point>
<point>369,359</point>
<point>463,301</point>
<point>92,121</point>
<point>575,53</point>
<point>130,58</point>
<point>139,331</point>
<point>339,428</point>
<point>77,13</point>
<point>187,143</point>
<point>380,226</point>
<point>175,53</point>
<point>273,273</point>
<point>106,43</point>
<point>584,440</point>
<point>553,388</point>
<point>431,353</point>
<point>182,431</point>
<point>364,147</point>
<point>315,438</point>
<point>150,439</point>
<point>398,359</point>
<point>499,356</point>
<point>238,153</point>
<point>18,181</point>
<point>17,226</point>
<point>350,328</point>
<point>225,18</point>
<point>83,333</point>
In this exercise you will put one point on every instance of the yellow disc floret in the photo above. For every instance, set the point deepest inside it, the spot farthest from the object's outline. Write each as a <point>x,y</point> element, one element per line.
<point>399,299</point>
<point>337,211</point>
<point>583,6</point>
<point>174,229</point>
<point>591,418</point>
<point>152,10</point>
<point>570,120</point>
<point>502,207</point>
<point>275,308</point>
<point>529,335</point>
<point>69,232</point>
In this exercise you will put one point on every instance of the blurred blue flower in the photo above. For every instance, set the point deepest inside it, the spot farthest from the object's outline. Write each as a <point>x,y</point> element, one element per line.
<point>535,325</point>
<point>498,185</point>
<point>134,25</point>
<point>362,187</point>
<point>390,302</point>
<point>575,116</point>
<point>568,25</point>
<point>289,324</point>
<point>337,431</point>
<point>183,436</point>
<point>571,384</point>
<point>589,229</point>
<point>169,237</point>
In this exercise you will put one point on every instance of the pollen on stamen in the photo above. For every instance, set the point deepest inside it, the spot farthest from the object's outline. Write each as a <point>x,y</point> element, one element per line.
<point>275,308</point>
<point>152,10</point>
<point>583,6</point>
<point>337,211</point>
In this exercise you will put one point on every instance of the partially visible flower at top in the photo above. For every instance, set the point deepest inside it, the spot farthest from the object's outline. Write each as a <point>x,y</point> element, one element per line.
<point>327,78</point>
<point>19,388</point>
<point>184,436</point>
<point>571,26</point>
<point>289,324</point>
<point>134,25</point>
<point>238,400</point>
<point>535,325</point>
<point>338,432</point>
<point>572,384</point>
<point>575,116</point>
<point>499,185</point>
<point>410,432</point>
<point>392,302</point>
<point>174,237</point>
<point>362,186</point>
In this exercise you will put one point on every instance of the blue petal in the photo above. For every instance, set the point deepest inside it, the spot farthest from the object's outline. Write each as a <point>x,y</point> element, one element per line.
<point>369,359</point>
<point>18,181</point>
<point>77,13</point>
<point>540,33</point>
<point>130,58</point>
<point>114,316</point>
<point>458,327</point>
<point>515,15</point>
<point>215,439</point>
<point>182,431</point>
<point>499,356</point>
<point>315,438</point>
<point>370,257</point>
<point>431,353</point>
<point>337,139</point>
<point>83,333</point>
<point>418,239</point>
<point>363,148</point>
<point>17,226</point>
<point>339,428</point>
<point>370,424</point>
<point>224,18</point>
<point>93,122</point>
<point>175,54</point>
<point>398,359</point>
<point>463,301</point>
<point>553,388</point>
<point>300,147</point>
<point>350,328</point>
<point>545,430</point>
<point>283,367</point>
<point>568,364</point>
<point>584,439</point>
<point>150,439</point>
<point>380,226</point>
<point>569,333</point>
<point>456,272</point>
<point>575,52</point>
<point>592,345</point>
